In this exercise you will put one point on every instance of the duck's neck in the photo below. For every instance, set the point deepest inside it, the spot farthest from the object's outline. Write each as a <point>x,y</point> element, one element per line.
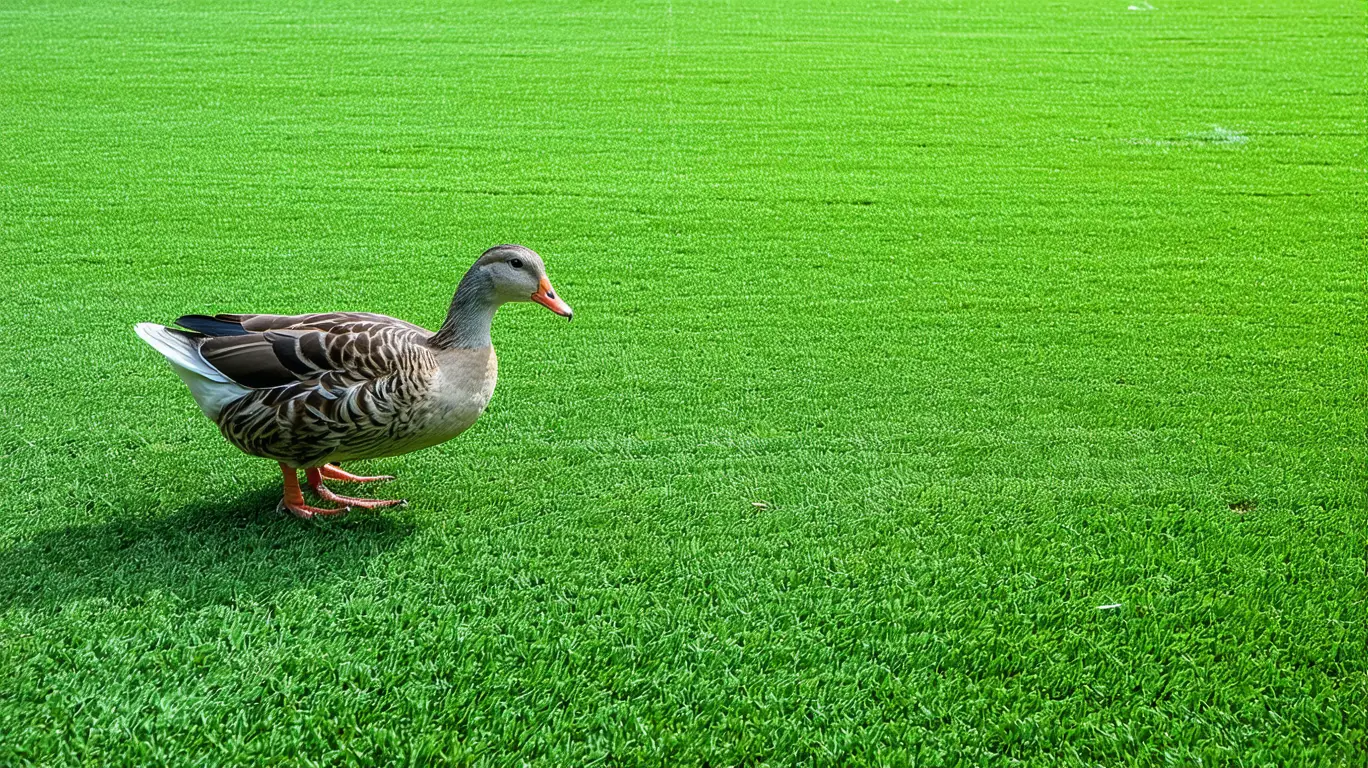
<point>470,316</point>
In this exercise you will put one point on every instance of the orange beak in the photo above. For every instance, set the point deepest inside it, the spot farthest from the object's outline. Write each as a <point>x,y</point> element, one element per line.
<point>546,296</point>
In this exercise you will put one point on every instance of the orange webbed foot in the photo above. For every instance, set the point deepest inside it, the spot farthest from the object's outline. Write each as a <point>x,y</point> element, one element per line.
<point>315,479</point>
<point>293,501</point>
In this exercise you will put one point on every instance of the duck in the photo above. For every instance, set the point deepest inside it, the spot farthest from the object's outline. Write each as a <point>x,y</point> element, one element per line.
<point>312,391</point>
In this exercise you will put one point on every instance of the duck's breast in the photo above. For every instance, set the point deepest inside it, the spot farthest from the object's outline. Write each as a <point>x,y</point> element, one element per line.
<point>459,394</point>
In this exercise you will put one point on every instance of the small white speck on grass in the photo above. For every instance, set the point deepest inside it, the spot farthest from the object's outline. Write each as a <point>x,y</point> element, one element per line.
<point>1109,607</point>
<point>1141,7</point>
<point>759,505</point>
<point>1219,135</point>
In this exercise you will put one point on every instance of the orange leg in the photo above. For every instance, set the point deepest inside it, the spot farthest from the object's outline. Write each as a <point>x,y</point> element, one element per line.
<point>334,472</point>
<point>315,477</point>
<point>294,497</point>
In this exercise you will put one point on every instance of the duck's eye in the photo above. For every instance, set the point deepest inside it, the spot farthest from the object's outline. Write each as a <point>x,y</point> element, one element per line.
<point>517,263</point>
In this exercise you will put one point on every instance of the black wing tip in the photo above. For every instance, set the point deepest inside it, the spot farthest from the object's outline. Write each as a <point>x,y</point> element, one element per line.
<point>211,326</point>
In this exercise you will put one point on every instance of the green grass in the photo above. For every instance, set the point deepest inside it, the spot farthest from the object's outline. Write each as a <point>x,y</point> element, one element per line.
<point>1004,311</point>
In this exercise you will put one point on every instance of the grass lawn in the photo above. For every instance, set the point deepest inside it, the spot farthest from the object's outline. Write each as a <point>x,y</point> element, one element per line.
<point>909,334</point>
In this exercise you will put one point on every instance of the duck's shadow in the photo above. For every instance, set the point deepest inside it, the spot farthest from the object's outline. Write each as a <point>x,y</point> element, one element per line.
<point>210,553</point>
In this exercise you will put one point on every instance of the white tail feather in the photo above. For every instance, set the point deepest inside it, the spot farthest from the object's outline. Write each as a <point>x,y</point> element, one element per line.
<point>210,388</point>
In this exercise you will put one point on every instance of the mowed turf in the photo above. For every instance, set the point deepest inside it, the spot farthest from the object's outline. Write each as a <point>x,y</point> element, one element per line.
<point>950,383</point>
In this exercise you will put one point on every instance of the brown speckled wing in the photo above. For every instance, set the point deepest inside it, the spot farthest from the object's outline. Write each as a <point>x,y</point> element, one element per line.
<point>289,351</point>
<point>323,383</point>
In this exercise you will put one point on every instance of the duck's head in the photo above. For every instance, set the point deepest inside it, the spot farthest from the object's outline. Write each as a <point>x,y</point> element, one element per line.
<point>514,273</point>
